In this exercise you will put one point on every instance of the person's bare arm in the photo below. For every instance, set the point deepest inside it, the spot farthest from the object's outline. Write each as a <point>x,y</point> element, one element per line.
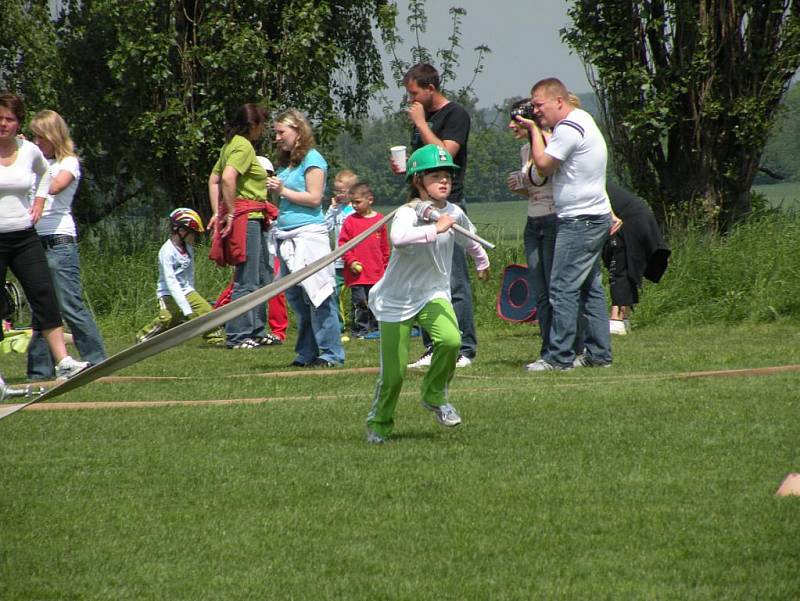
<point>545,163</point>
<point>417,115</point>
<point>62,179</point>
<point>312,197</point>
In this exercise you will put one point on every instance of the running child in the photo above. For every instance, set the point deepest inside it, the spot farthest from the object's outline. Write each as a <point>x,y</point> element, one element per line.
<point>339,210</point>
<point>365,264</point>
<point>178,300</point>
<point>416,288</point>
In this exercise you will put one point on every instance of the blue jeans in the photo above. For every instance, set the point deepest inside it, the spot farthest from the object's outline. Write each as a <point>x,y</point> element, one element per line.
<point>318,330</point>
<point>254,273</point>
<point>64,263</point>
<point>576,291</point>
<point>540,242</point>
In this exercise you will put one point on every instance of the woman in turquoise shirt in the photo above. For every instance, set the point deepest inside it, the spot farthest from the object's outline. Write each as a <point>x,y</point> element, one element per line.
<point>302,238</point>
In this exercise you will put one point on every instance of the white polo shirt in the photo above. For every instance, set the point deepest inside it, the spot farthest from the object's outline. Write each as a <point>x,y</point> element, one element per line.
<point>579,183</point>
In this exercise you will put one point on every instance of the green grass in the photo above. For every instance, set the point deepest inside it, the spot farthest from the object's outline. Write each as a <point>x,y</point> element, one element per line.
<point>626,483</point>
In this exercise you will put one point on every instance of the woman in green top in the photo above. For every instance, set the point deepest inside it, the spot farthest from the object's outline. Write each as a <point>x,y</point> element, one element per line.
<point>237,189</point>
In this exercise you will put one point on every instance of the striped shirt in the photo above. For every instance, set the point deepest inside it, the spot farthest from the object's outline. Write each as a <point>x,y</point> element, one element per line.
<point>579,183</point>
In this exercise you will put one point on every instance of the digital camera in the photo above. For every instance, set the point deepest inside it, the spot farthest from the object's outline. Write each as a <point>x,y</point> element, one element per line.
<point>524,110</point>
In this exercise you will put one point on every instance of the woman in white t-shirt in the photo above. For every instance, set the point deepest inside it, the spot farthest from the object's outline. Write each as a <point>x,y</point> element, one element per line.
<point>58,236</point>
<point>540,228</point>
<point>21,163</point>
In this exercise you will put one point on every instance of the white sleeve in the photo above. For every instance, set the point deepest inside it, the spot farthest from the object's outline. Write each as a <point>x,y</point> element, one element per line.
<point>167,270</point>
<point>42,169</point>
<point>473,248</point>
<point>566,137</point>
<point>72,166</point>
<point>330,217</point>
<point>405,230</point>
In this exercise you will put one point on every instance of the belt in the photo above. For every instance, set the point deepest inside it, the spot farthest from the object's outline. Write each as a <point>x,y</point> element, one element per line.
<point>56,239</point>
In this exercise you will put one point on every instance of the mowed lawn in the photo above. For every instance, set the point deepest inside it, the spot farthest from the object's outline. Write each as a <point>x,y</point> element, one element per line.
<point>643,481</point>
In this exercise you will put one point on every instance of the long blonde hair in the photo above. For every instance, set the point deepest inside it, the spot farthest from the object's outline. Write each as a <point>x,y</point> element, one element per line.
<point>305,138</point>
<point>51,126</point>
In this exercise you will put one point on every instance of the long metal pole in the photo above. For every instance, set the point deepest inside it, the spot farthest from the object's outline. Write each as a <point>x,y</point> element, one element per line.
<point>196,327</point>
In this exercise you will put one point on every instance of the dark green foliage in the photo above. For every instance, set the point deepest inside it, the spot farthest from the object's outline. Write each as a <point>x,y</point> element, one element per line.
<point>146,86</point>
<point>493,153</point>
<point>29,62</point>
<point>688,93</point>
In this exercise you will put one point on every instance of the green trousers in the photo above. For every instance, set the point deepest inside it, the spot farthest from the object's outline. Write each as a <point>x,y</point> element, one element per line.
<point>170,315</point>
<point>439,320</point>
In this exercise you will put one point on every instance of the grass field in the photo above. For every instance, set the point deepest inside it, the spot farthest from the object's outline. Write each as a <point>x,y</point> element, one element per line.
<point>635,482</point>
<point>241,478</point>
<point>785,196</point>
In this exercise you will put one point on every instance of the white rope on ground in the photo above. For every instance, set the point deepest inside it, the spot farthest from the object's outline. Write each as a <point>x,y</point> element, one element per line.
<point>553,384</point>
<point>191,329</point>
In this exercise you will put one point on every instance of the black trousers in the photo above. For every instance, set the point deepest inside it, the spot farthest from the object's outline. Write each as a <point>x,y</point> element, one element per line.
<point>623,289</point>
<point>362,320</point>
<point>22,252</point>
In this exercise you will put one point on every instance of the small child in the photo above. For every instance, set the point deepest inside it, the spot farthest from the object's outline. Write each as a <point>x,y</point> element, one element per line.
<point>365,264</point>
<point>339,210</point>
<point>416,288</point>
<point>178,300</point>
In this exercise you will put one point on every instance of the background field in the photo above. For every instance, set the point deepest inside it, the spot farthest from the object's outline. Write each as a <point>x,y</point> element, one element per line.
<point>643,481</point>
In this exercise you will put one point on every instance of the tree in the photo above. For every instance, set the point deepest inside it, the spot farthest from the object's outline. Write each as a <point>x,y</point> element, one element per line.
<point>493,153</point>
<point>688,93</point>
<point>146,86</point>
<point>29,62</point>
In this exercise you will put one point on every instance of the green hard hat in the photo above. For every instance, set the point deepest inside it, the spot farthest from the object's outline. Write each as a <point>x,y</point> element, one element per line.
<point>427,158</point>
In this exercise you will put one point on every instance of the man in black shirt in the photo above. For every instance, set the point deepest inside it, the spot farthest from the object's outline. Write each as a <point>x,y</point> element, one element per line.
<point>440,121</point>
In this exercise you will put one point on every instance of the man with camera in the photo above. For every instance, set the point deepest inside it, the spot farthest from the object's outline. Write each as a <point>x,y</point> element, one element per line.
<point>576,157</point>
<point>443,122</point>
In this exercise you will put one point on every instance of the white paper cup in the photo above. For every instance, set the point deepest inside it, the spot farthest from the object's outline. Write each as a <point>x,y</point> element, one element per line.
<point>399,157</point>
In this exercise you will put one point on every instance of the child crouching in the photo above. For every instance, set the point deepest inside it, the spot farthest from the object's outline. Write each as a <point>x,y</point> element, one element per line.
<point>416,288</point>
<point>178,300</point>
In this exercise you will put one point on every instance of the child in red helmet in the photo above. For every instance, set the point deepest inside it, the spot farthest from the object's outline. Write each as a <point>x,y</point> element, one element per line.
<point>178,300</point>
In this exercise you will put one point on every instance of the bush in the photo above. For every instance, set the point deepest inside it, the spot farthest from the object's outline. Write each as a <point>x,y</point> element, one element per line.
<point>749,274</point>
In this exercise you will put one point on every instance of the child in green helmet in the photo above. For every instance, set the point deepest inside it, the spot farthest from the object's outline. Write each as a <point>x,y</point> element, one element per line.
<point>416,289</point>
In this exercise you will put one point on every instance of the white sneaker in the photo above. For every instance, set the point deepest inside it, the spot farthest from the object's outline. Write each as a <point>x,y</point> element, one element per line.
<point>68,367</point>
<point>424,361</point>
<point>373,438</point>
<point>542,365</point>
<point>617,327</point>
<point>463,361</point>
<point>446,414</point>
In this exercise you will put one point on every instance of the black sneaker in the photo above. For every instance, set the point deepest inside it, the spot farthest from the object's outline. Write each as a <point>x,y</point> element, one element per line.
<point>320,363</point>
<point>269,340</point>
